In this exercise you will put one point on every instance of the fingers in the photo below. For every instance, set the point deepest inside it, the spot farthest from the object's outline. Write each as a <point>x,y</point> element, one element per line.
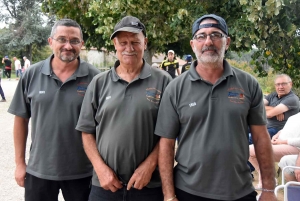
<point>136,182</point>
<point>20,182</point>
<point>113,186</point>
<point>20,174</point>
<point>131,183</point>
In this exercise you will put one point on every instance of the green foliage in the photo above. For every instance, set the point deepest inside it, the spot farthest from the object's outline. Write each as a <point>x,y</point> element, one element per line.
<point>266,83</point>
<point>27,26</point>
<point>40,53</point>
<point>277,23</point>
<point>272,26</point>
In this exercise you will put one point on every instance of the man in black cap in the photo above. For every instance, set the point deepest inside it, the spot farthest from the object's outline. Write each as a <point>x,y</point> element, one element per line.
<point>209,109</point>
<point>118,118</point>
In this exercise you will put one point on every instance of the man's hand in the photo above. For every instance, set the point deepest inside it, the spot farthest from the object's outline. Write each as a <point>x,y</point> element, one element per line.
<point>297,174</point>
<point>20,174</point>
<point>141,177</point>
<point>267,196</point>
<point>108,179</point>
<point>278,141</point>
<point>280,117</point>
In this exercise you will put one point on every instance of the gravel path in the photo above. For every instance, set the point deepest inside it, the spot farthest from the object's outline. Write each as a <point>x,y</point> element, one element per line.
<point>9,190</point>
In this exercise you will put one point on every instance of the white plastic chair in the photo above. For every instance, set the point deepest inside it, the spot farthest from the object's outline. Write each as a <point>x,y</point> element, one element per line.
<point>291,188</point>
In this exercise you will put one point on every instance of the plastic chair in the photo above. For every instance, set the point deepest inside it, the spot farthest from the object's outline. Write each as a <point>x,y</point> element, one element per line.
<point>291,188</point>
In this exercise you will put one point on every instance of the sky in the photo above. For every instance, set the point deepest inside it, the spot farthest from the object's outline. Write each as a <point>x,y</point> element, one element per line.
<point>2,25</point>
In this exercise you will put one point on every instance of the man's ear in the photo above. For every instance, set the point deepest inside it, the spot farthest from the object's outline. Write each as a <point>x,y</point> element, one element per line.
<point>145,43</point>
<point>228,40</point>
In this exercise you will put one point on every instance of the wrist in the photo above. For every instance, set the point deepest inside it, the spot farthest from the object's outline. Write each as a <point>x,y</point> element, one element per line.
<point>171,198</point>
<point>267,190</point>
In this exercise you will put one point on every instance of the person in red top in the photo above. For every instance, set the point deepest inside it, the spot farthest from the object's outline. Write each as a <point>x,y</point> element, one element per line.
<point>7,63</point>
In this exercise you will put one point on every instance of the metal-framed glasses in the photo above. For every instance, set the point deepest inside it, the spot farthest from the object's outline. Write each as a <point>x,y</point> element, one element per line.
<point>282,84</point>
<point>62,40</point>
<point>213,36</point>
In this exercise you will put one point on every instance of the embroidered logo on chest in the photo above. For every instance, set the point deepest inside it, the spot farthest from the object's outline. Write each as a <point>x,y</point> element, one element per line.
<point>236,95</point>
<point>81,88</point>
<point>153,95</point>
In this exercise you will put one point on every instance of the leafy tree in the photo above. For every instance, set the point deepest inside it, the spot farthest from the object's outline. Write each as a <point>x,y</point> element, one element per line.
<point>165,22</point>
<point>27,26</point>
<point>272,26</point>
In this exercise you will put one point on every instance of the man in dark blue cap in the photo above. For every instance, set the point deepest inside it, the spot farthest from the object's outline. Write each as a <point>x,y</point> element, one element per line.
<point>209,109</point>
<point>187,66</point>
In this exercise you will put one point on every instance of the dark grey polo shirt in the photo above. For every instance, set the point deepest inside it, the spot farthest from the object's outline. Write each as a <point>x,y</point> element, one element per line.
<point>211,123</point>
<point>290,100</point>
<point>56,151</point>
<point>122,116</point>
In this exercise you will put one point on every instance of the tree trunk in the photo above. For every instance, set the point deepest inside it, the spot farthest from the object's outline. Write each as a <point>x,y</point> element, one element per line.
<point>148,54</point>
<point>28,52</point>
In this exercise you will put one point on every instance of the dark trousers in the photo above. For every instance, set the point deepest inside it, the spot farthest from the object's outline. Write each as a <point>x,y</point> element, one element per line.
<point>37,189</point>
<point>7,72</point>
<point>146,194</point>
<point>184,196</point>
<point>1,91</point>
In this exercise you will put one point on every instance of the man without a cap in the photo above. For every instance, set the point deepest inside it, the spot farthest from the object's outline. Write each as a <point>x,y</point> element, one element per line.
<point>209,109</point>
<point>118,118</point>
<point>49,95</point>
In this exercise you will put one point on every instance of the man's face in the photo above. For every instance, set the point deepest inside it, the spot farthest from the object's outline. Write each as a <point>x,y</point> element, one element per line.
<point>170,56</point>
<point>210,51</point>
<point>283,86</point>
<point>62,49</point>
<point>130,47</point>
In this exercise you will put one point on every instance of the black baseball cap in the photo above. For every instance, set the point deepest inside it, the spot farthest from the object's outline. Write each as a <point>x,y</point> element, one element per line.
<point>129,24</point>
<point>220,25</point>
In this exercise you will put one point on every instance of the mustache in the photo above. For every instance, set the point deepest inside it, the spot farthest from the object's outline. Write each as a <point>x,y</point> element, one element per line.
<point>129,54</point>
<point>209,48</point>
<point>65,50</point>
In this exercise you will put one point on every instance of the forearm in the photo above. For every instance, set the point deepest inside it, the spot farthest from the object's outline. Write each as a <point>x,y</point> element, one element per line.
<point>152,159</point>
<point>265,158</point>
<point>90,148</point>
<point>166,164</point>
<point>268,108</point>
<point>20,138</point>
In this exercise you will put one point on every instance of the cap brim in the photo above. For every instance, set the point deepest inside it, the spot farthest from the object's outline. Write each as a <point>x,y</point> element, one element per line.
<point>127,29</point>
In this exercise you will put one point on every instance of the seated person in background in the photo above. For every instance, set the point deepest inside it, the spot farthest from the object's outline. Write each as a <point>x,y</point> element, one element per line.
<point>285,142</point>
<point>280,105</point>
<point>291,160</point>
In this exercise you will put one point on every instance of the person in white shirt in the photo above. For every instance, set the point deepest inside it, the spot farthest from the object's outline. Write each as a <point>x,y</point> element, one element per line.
<point>285,142</point>
<point>26,64</point>
<point>291,174</point>
<point>18,67</point>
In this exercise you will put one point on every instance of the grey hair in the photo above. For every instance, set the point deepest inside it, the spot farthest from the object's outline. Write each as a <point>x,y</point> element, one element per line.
<point>67,23</point>
<point>283,75</point>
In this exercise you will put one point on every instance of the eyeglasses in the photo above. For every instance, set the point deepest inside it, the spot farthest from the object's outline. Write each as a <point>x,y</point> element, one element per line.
<point>64,41</point>
<point>282,84</point>
<point>213,36</point>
